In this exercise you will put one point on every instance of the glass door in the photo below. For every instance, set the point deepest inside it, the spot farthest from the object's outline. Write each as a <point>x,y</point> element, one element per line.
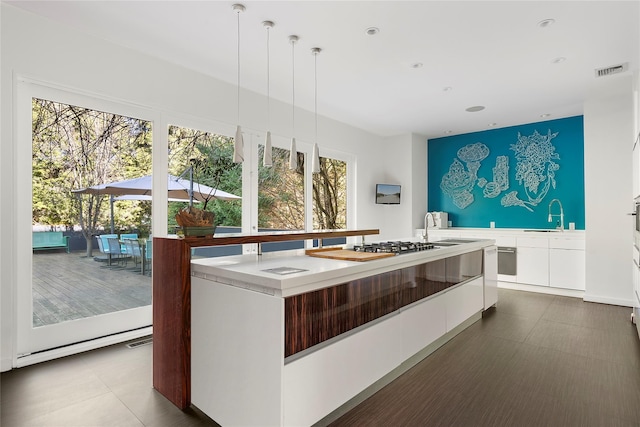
<point>81,252</point>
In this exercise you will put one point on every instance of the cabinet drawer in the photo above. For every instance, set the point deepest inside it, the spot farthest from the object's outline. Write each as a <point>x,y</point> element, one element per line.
<point>533,242</point>
<point>557,243</point>
<point>505,240</point>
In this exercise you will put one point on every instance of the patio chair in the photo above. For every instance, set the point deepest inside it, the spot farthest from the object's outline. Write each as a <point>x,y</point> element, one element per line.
<point>115,252</point>
<point>133,251</point>
<point>105,243</point>
<point>104,254</point>
<point>129,236</point>
<point>148,255</point>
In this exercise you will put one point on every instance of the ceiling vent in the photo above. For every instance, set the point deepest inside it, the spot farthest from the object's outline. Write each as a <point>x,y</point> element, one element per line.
<point>615,69</point>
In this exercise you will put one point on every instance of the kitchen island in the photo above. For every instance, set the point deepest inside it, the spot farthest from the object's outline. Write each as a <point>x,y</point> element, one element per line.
<point>289,339</point>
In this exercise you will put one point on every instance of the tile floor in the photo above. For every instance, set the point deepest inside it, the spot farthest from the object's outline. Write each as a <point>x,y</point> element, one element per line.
<point>537,360</point>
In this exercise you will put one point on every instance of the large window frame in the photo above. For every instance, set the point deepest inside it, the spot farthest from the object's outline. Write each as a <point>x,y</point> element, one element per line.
<point>86,335</point>
<point>252,140</point>
<point>71,336</point>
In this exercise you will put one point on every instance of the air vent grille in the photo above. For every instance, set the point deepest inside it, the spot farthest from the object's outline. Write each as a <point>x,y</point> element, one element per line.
<point>615,69</point>
<point>137,344</point>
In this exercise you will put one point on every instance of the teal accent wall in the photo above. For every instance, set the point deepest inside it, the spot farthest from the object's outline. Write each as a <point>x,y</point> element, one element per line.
<point>509,175</point>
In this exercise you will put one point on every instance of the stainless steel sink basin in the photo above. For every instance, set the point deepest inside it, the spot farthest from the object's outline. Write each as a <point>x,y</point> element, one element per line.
<point>451,242</point>
<point>544,231</point>
<point>443,244</point>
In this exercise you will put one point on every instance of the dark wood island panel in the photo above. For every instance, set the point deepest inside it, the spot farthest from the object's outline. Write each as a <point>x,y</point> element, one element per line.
<point>314,317</point>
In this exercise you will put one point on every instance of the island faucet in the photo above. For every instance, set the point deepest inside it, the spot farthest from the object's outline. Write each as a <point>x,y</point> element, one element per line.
<point>425,236</point>
<point>561,214</point>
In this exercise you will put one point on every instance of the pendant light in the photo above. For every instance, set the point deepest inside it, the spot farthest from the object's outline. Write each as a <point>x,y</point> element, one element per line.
<point>315,159</point>
<point>293,152</point>
<point>267,159</point>
<point>238,145</point>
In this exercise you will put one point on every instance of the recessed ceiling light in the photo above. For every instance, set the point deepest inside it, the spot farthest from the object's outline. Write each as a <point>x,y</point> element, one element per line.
<point>544,115</point>
<point>492,125</point>
<point>447,132</point>
<point>475,108</point>
<point>558,60</point>
<point>546,23</point>
<point>372,31</point>
<point>447,89</point>
<point>416,65</point>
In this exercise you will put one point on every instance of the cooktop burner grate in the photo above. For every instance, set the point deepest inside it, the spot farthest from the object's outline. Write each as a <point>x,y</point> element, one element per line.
<point>396,247</point>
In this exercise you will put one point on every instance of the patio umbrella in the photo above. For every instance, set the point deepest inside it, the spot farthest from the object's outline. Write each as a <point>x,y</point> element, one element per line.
<point>179,188</point>
<point>144,197</point>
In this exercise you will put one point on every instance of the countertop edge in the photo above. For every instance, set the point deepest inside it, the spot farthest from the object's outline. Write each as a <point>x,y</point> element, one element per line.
<point>247,271</point>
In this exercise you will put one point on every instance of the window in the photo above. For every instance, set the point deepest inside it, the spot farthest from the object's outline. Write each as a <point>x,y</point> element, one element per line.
<point>74,148</point>
<point>210,157</point>
<point>330,195</point>
<point>280,192</point>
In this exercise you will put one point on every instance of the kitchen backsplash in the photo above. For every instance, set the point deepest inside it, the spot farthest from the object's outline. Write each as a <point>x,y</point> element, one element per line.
<point>509,176</point>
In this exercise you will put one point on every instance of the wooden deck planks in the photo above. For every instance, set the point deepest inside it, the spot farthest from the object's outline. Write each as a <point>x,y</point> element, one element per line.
<point>71,286</point>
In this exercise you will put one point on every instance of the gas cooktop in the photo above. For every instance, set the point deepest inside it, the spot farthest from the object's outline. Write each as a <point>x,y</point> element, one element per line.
<point>396,247</point>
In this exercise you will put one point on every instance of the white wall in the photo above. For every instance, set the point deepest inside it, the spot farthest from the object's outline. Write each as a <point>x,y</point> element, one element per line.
<point>391,219</point>
<point>419,179</point>
<point>608,141</point>
<point>37,49</point>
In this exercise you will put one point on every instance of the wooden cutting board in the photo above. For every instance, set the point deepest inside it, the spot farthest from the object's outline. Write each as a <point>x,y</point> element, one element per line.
<point>347,255</point>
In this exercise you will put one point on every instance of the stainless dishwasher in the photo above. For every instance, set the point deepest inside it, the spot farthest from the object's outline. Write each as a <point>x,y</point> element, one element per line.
<point>507,261</point>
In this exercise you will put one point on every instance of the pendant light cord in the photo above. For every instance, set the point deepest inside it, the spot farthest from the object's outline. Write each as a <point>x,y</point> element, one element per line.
<point>268,83</point>
<point>238,66</point>
<point>315,93</point>
<point>293,88</point>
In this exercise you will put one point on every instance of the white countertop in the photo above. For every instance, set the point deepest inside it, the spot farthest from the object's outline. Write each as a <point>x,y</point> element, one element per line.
<point>248,271</point>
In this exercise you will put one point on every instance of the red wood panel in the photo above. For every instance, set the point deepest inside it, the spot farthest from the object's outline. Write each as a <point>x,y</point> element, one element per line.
<point>172,320</point>
<point>283,236</point>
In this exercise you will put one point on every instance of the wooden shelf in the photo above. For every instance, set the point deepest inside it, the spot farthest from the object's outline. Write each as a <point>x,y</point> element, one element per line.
<point>172,302</point>
<point>284,236</point>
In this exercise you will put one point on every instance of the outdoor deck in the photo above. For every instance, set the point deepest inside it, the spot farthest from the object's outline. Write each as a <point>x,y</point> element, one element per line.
<point>71,286</point>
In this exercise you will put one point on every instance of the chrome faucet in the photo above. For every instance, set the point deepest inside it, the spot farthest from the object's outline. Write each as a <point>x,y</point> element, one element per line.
<point>425,236</point>
<point>561,214</point>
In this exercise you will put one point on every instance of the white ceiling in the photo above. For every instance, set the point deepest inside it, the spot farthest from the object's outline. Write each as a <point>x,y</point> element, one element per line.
<point>489,53</point>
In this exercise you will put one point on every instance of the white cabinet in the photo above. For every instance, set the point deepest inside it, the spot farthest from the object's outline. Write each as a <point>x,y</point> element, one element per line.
<point>636,167</point>
<point>567,269</point>
<point>533,261</point>
<point>551,259</point>
<point>490,276</point>
<point>567,264</point>
<point>463,302</point>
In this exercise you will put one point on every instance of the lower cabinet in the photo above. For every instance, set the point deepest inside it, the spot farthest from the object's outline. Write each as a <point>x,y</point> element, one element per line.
<point>462,302</point>
<point>240,376</point>
<point>567,269</point>
<point>555,260</point>
<point>533,266</point>
<point>490,277</point>
<point>341,370</point>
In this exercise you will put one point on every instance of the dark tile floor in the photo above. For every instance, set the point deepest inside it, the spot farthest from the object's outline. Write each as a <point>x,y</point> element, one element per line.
<point>538,360</point>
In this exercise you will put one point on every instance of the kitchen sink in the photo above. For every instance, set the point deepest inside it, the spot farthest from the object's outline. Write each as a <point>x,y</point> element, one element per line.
<point>544,230</point>
<point>456,241</point>
<point>443,243</point>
